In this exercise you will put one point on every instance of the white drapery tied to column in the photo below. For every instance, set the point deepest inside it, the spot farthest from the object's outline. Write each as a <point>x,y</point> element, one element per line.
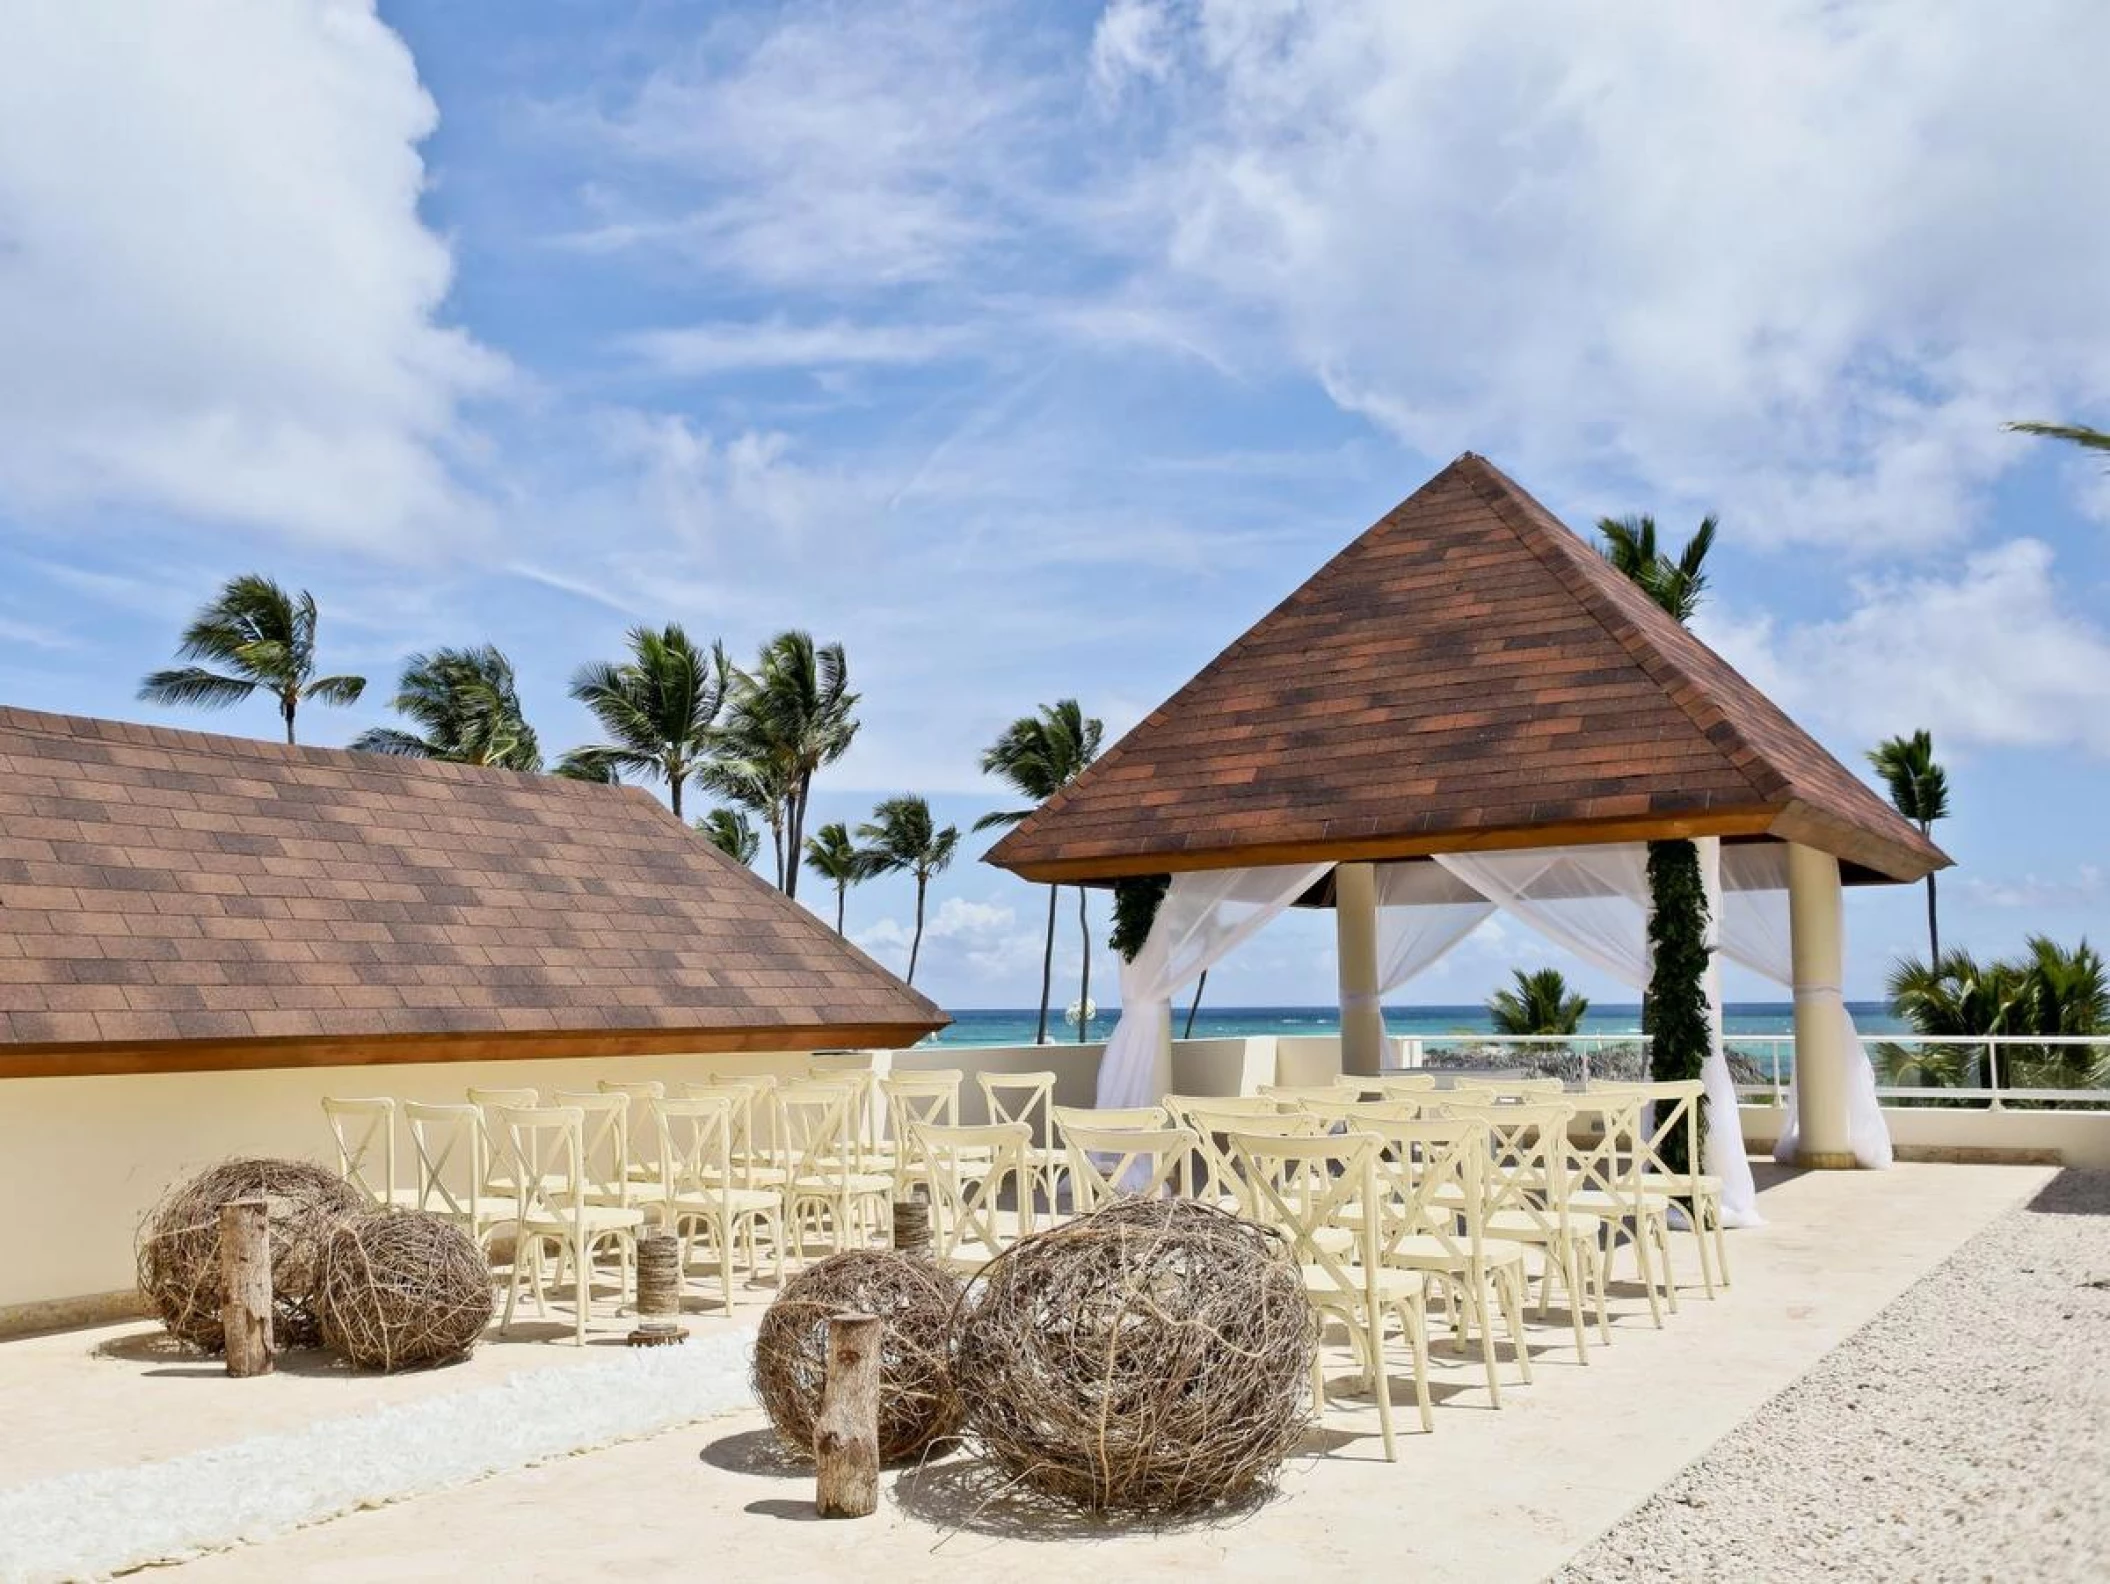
<point>1423,910</point>
<point>1205,916</point>
<point>1595,902</point>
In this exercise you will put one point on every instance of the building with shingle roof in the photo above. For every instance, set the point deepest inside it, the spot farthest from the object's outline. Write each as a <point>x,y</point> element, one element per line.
<point>173,900</point>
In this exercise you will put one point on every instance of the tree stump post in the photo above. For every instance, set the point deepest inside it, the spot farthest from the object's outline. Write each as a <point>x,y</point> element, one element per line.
<point>846,1435</point>
<point>245,1276</point>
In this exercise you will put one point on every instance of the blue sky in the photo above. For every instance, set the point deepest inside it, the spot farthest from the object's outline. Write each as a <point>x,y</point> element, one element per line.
<point>1036,350</point>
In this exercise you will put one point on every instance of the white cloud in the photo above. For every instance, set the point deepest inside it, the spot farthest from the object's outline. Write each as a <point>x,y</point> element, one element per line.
<point>1988,656</point>
<point>726,348</point>
<point>2086,888</point>
<point>216,295</point>
<point>962,939</point>
<point>1794,261</point>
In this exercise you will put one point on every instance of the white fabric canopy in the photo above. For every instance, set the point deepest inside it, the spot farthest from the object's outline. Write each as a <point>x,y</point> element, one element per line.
<point>1755,933</point>
<point>1205,916</point>
<point>1423,910</point>
<point>1595,902</point>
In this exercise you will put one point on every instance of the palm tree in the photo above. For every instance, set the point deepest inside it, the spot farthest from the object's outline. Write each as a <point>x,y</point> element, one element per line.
<point>469,706</point>
<point>579,764</point>
<point>263,637</point>
<point>1676,585</point>
<point>657,708</point>
<point>2073,434</point>
<point>2049,991</point>
<point>754,785</point>
<point>1919,790</point>
<point>838,860</point>
<point>1538,1003</point>
<point>1039,755</point>
<point>904,838</point>
<point>789,717</point>
<point>732,833</point>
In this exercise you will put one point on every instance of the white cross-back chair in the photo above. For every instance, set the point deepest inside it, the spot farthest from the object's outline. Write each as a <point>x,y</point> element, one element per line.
<point>968,1171</point>
<point>551,1205</point>
<point>1673,1111</point>
<point>365,1132</point>
<point>824,1193</point>
<point>1322,1194</point>
<point>447,1160</point>
<point>644,1138</point>
<point>502,1176</point>
<point>1134,1118</point>
<point>697,1191</point>
<point>1604,1161</point>
<point>1116,1163</point>
<point>914,1098</point>
<point>1219,1180</point>
<point>1028,1098</point>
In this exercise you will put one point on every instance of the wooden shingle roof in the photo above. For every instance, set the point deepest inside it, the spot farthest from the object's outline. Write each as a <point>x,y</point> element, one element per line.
<point>1467,674</point>
<point>170,899</point>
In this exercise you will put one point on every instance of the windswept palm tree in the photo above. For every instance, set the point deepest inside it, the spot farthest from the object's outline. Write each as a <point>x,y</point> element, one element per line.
<point>753,785</point>
<point>657,708</point>
<point>1039,755</point>
<point>262,638</point>
<point>1538,1003</point>
<point>2049,991</point>
<point>838,860</point>
<point>468,704</point>
<point>732,833</point>
<point>578,764</point>
<point>1676,585</point>
<point>1919,790</point>
<point>902,838</point>
<point>790,716</point>
<point>2073,434</point>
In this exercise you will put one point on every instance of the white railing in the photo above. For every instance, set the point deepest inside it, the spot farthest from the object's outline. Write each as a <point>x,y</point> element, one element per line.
<point>1982,1071</point>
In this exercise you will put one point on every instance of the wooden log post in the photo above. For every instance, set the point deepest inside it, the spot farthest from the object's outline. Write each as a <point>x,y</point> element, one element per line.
<point>846,1435</point>
<point>245,1276</point>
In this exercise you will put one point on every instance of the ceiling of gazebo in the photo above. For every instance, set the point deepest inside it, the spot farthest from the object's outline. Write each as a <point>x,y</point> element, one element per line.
<point>1468,674</point>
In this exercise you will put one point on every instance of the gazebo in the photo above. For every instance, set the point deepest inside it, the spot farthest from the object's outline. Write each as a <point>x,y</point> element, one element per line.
<point>1469,708</point>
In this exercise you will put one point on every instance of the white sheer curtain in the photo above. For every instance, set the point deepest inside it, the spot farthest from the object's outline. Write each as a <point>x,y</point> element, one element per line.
<point>1594,901</point>
<point>1755,933</point>
<point>1205,916</point>
<point>1423,910</point>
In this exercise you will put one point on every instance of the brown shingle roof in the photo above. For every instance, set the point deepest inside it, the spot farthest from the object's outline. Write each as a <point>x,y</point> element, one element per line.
<point>163,891</point>
<point>1468,673</point>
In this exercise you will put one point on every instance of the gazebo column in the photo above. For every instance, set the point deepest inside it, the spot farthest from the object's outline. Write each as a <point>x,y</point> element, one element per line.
<point>1355,942</point>
<point>1816,925</point>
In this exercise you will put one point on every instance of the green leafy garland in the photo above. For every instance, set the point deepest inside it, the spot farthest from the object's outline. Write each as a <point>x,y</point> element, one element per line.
<point>1674,1014</point>
<point>1135,910</point>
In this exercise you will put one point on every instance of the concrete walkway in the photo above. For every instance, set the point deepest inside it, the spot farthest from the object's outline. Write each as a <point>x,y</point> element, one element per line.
<point>1491,1495</point>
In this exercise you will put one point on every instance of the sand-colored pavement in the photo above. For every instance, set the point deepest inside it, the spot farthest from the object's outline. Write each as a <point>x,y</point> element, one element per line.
<point>1490,1495</point>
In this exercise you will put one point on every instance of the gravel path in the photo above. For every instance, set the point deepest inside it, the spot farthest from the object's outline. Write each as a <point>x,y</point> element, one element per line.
<point>1964,1434</point>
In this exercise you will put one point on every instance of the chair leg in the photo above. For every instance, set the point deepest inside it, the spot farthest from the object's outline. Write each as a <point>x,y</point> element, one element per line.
<point>1721,1245</point>
<point>1596,1258</point>
<point>513,1283</point>
<point>1659,1229</point>
<point>1476,1301</point>
<point>1648,1276</point>
<point>1699,1232</point>
<point>1571,1280</point>
<point>1514,1291</point>
<point>1415,1318</point>
<point>582,1291</point>
<point>1380,1382</point>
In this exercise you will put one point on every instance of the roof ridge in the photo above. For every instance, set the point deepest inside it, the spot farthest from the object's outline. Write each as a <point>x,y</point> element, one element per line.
<point>1563,548</point>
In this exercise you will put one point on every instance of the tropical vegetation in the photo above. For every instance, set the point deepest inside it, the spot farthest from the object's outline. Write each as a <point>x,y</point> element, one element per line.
<point>261,638</point>
<point>467,708</point>
<point>657,706</point>
<point>902,838</point>
<point>2073,434</point>
<point>2048,991</point>
<point>1537,1003</point>
<point>1677,583</point>
<point>732,833</point>
<point>837,859</point>
<point>786,719</point>
<point>1919,790</point>
<point>1037,756</point>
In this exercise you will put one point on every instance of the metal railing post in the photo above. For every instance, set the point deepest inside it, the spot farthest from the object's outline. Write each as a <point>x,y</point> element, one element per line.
<point>1992,1071</point>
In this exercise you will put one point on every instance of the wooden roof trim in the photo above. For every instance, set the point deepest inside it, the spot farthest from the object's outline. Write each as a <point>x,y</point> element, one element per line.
<point>255,1055</point>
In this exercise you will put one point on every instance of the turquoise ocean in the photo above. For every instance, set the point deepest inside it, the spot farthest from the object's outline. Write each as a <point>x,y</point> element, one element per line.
<point>1015,1026</point>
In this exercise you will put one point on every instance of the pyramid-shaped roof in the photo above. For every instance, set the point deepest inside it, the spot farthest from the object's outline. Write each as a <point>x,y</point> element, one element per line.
<point>1467,674</point>
<point>170,899</point>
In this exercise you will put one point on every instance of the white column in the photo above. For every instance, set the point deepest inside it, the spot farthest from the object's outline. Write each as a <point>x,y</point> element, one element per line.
<point>1816,930</point>
<point>1355,936</point>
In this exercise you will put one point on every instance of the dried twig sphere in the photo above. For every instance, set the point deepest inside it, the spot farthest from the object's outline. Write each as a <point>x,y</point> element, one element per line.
<point>401,1288</point>
<point>1153,1357</point>
<point>915,1298</point>
<point>179,1246</point>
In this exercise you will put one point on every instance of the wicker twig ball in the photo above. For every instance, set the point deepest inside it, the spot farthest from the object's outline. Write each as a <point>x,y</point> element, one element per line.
<point>179,1246</point>
<point>401,1288</point>
<point>917,1405</point>
<point>1153,1357</point>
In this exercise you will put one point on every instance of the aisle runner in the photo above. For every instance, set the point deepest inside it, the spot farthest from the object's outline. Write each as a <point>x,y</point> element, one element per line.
<point>92,1524</point>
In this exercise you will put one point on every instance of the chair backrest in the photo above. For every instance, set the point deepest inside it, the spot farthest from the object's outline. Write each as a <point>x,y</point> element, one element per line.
<point>695,1146</point>
<point>1212,1129</point>
<point>1027,1097</point>
<point>1527,1171</point>
<point>499,1166</point>
<point>1403,1085</point>
<point>1114,1163</point>
<point>1309,1189</point>
<point>1667,1109</point>
<point>1343,1112</point>
<point>1296,1094</point>
<point>1140,1118</point>
<point>546,1143</point>
<point>1516,1088</point>
<point>447,1158</point>
<point>1605,1145</point>
<point>364,1130</point>
<point>813,1128</point>
<point>635,1088</point>
<point>604,1160</point>
<point>1432,1180</point>
<point>1181,1106</point>
<point>746,1155</point>
<point>966,1169</point>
